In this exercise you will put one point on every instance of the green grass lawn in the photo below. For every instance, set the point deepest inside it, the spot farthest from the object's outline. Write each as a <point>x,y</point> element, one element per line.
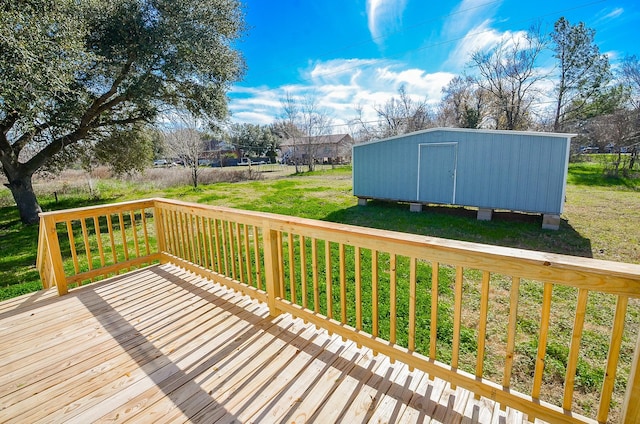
<point>600,219</point>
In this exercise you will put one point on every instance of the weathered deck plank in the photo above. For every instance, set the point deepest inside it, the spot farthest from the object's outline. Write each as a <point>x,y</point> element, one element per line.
<point>161,345</point>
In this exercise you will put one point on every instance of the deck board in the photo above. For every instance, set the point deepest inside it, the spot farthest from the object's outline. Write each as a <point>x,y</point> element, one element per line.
<point>163,345</point>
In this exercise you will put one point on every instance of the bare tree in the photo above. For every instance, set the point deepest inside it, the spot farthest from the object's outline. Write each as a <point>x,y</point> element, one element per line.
<point>398,115</point>
<point>403,115</point>
<point>361,130</point>
<point>463,105</point>
<point>631,78</point>
<point>508,73</point>
<point>303,121</point>
<point>186,141</point>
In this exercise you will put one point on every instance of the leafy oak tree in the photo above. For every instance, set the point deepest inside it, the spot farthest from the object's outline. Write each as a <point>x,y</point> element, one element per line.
<point>88,72</point>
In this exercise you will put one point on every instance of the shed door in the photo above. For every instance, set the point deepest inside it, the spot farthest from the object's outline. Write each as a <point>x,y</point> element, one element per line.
<point>437,172</point>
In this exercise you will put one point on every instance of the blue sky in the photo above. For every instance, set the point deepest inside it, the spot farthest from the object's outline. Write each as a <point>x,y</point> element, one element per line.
<point>359,52</point>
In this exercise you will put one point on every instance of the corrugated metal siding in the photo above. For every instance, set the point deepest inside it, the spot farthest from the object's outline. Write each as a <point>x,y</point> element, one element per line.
<point>385,171</point>
<point>522,172</point>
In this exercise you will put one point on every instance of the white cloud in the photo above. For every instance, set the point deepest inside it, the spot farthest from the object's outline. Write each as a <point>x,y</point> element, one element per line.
<point>608,15</point>
<point>468,14</point>
<point>252,117</point>
<point>339,86</point>
<point>384,16</point>
<point>479,38</point>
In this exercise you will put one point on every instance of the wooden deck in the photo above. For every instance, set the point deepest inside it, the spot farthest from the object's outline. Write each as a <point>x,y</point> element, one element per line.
<point>162,345</point>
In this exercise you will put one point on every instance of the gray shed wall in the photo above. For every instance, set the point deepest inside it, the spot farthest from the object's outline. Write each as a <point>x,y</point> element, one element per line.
<point>497,170</point>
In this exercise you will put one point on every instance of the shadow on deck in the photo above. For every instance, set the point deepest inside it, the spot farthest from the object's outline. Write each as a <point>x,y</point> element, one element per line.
<point>163,345</point>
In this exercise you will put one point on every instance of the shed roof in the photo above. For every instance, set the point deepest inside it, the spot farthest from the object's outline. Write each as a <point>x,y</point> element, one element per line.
<point>473,130</point>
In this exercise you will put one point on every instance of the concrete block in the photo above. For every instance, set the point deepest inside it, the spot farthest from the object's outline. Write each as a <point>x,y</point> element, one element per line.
<point>415,207</point>
<point>485,214</point>
<point>550,222</point>
<point>362,201</point>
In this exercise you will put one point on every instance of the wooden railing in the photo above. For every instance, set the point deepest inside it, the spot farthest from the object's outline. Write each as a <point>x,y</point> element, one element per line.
<point>452,309</point>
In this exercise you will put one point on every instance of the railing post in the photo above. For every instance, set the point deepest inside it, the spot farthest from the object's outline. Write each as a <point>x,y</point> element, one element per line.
<point>159,226</point>
<point>631,406</point>
<point>270,249</point>
<point>51,236</point>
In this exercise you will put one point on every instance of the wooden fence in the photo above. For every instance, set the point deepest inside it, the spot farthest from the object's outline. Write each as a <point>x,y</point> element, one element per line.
<point>446,307</point>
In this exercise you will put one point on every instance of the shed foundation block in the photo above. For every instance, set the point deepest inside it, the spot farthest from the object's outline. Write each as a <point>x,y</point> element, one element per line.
<point>362,201</point>
<point>415,207</point>
<point>485,214</point>
<point>550,222</point>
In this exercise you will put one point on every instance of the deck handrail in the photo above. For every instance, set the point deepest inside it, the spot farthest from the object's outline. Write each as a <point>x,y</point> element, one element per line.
<point>341,277</point>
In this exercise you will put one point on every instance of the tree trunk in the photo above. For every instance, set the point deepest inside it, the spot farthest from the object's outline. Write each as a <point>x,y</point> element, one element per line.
<point>22,191</point>
<point>194,175</point>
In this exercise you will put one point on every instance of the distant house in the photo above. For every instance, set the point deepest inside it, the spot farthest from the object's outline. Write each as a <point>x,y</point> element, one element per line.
<point>334,148</point>
<point>219,153</point>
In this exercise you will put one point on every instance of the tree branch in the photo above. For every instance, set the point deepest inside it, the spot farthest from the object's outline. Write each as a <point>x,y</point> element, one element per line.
<point>21,142</point>
<point>8,122</point>
<point>97,107</point>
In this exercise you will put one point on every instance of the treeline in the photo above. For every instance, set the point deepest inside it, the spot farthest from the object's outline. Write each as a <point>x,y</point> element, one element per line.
<point>512,87</point>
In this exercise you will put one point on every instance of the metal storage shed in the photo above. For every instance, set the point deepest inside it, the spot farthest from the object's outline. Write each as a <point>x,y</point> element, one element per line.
<point>488,169</point>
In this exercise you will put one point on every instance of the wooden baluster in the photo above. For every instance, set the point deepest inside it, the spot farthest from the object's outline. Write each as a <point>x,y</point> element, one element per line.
<point>392,298</point>
<point>280,265</point>
<point>542,339</point>
<point>328,277</point>
<point>161,228</point>
<point>511,331</point>
<point>216,230</point>
<point>177,226</point>
<point>232,251</point>
<point>374,293</point>
<point>198,241</point>
<point>292,268</point>
<point>173,229</point>
<point>72,245</point>
<point>247,254</point>
<point>206,242</point>
<point>433,335</point>
<point>574,349</point>
<point>631,407</point>
<point>239,252</point>
<point>186,236</point>
<point>303,271</point>
<point>189,235</point>
<point>211,241</point>
<point>617,333</point>
<point>256,249</point>
<point>343,284</point>
<point>413,280</point>
<point>223,235</point>
<point>457,318</point>
<point>87,247</point>
<point>134,232</point>
<point>184,250</point>
<point>314,267</point>
<point>482,324</point>
<point>96,225</point>
<point>112,240</point>
<point>358,287</point>
<point>145,232</point>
